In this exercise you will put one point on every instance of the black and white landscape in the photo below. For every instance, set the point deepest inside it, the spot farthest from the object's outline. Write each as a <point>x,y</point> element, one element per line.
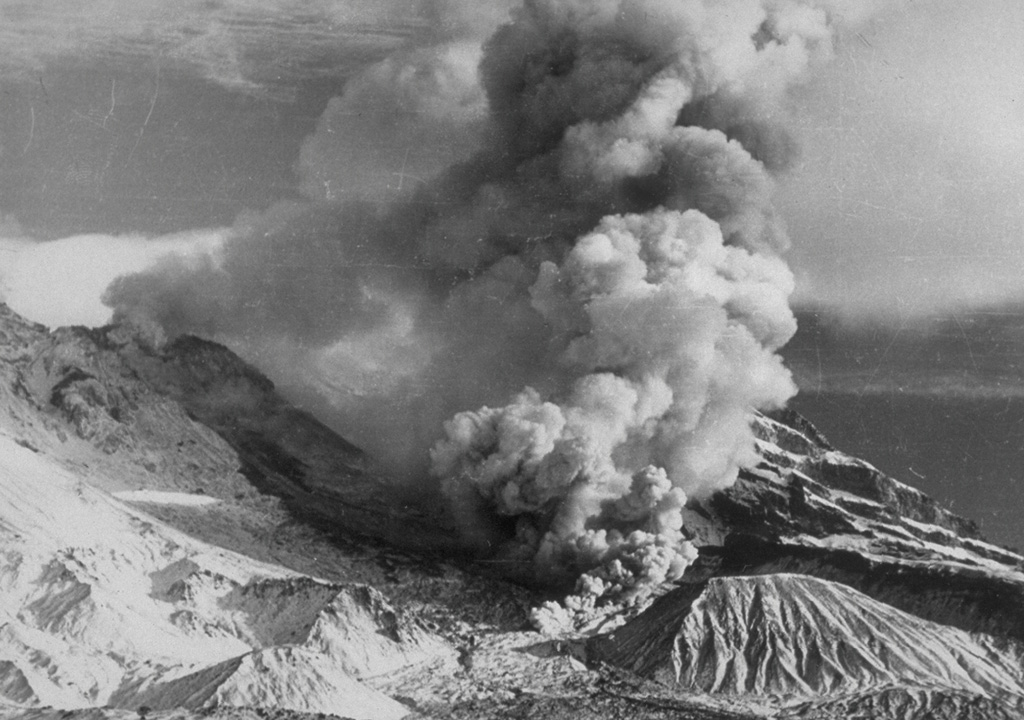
<point>451,359</point>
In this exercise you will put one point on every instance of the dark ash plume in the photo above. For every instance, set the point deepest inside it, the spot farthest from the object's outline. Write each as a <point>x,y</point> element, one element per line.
<point>606,257</point>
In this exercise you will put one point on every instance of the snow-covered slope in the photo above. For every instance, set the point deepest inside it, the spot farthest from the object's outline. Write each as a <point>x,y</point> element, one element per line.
<point>166,519</point>
<point>830,590</point>
<point>798,639</point>
<point>197,419</point>
<point>103,605</point>
<point>808,508</point>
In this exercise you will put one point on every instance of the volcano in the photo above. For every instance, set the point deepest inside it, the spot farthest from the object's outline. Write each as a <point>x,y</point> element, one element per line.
<point>180,541</point>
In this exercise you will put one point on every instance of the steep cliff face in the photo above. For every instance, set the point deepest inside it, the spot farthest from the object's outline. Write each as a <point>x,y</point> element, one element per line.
<point>177,535</point>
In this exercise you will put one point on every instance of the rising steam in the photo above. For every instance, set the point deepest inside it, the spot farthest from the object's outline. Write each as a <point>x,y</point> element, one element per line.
<point>600,271</point>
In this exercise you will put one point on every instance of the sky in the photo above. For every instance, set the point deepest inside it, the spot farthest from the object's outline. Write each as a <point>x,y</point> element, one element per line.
<point>136,120</point>
<point>911,191</point>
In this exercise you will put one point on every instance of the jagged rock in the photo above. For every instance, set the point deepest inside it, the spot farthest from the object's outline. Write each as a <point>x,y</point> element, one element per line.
<point>810,509</point>
<point>905,702</point>
<point>101,603</point>
<point>793,637</point>
<point>288,678</point>
<point>102,606</point>
<point>179,407</point>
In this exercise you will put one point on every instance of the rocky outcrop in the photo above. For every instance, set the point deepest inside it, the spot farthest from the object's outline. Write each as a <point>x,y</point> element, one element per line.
<point>911,703</point>
<point>101,605</point>
<point>792,638</point>
<point>823,588</point>
<point>976,598</point>
<point>831,590</point>
<point>194,410</point>
<point>292,678</point>
<point>808,508</point>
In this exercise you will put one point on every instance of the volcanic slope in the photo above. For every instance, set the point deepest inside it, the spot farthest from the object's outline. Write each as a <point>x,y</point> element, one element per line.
<point>797,639</point>
<point>119,519</point>
<point>808,508</point>
<point>103,605</point>
<point>177,535</point>
<point>833,591</point>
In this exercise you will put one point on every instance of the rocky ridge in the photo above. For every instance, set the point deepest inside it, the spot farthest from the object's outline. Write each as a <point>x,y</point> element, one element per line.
<point>795,639</point>
<point>106,606</point>
<point>809,508</point>
<point>252,561</point>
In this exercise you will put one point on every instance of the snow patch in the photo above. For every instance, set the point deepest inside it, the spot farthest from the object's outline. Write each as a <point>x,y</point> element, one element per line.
<point>159,497</point>
<point>103,605</point>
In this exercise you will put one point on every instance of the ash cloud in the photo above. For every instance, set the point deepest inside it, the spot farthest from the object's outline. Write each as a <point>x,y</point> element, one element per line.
<point>597,270</point>
<point>405,119</point>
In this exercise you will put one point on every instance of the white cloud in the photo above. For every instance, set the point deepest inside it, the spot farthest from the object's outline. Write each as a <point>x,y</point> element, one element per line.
<point>60,282</point>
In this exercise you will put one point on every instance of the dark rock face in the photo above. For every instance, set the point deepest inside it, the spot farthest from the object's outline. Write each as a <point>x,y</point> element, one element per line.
<point>74,386</point>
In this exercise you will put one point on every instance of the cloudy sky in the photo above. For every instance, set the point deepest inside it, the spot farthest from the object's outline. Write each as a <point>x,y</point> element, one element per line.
<point>139,120</point>
<point>911,190</point>
<point>131,129</point>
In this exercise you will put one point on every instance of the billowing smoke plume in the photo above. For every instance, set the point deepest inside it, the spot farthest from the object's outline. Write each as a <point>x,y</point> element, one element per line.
<point>600,272</point>
<point>407,118</point>
<point>669,337</point>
